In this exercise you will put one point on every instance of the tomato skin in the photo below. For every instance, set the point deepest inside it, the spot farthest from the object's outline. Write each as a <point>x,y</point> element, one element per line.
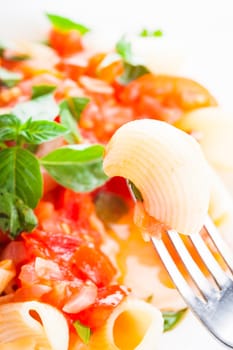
<point>65,43</point>
<point>96,315</point>
<point>165,97</point>
<point>92,264</point>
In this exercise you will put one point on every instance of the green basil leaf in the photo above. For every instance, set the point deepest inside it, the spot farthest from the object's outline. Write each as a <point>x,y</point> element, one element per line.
<point>132,72</point>
<point>40,108</point>
<point>171,319</point>
<point>78,167</point>
<point>66,24</point>
<point>8,78</point>
<point>20,175</point>
<point>15,216</point>
<point>83,332</point>
<point>41,90</point>
<point>124,49</point>
<point>9,127</point>
<point>154,33</point>
<point>76,106</point>
<point>39,131</point>
<point>17,57</point>
<point>67,120</point>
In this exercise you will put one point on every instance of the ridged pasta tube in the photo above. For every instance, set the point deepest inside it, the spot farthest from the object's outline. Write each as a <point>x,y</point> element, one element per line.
<point>213,127</point>
<point>44,325</point>
<point>133,325</point>
<point>168,168</point>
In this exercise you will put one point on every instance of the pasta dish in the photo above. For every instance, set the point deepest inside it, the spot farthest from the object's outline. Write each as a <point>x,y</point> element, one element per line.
<point>79,128</point>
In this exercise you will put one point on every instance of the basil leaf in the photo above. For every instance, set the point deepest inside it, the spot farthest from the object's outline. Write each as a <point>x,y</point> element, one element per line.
<point>20,175</point>
<point>17,57</point>
<point>124,49</point>
<point>83,331</point>
<point>9,126</point>
<point>154,33</point>
<point>15,216</point>
<point>41,90</point>
<point>67,120</point>
<point>41,108</point>
<point>77,167</point>
<point>171,319</point>
<point>76,106</point>
<point>132,72</point>
<point>8,78</point>
<point>39,131</point>
<point>66,24</point>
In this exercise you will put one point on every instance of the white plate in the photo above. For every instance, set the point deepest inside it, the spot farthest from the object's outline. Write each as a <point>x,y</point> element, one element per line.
<point>203,27</point>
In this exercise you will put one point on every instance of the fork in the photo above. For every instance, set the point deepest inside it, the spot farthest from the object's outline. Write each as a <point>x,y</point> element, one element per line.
<point>210,298</point>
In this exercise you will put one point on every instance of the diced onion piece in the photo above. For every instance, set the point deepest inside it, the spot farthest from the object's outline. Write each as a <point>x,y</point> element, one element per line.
<point>213,127</point>
<point>18,321</point>
<point>168,168</point>
<point>133,325</point>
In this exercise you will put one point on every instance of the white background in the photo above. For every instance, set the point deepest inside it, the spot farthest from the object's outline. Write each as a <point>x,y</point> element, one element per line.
<point>205,29</point>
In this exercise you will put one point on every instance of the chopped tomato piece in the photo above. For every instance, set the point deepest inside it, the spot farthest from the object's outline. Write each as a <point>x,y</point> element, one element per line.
<point>92,264</point>
<point>108,298</point>
<point>65,43</point>
<point>165,97</point>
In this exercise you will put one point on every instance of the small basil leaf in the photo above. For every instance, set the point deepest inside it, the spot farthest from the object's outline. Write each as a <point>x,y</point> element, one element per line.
<point>171,319</point>
<point>8,78</point>
<point>132,72</point>
<point>77,167</point>
<point>77,105</point>
<point>66,24</point>
<point>124,49</point>
<point>20,175</point>
<point>15,216</point>
<point>83,332</point>
<point>41,90</point>
<point>9,127</point>
<point>39,131</point>
<point>40,108</point>
<point>67,120</point>
<point>154,33</point>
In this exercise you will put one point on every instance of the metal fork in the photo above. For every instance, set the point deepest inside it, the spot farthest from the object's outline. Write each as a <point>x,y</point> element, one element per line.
<point>209,297</point>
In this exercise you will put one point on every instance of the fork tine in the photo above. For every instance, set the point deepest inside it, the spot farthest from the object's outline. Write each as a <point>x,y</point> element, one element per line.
<point>173,271</point>
<point>219,243</point>
<point>209,260</point>
<point>201,282</point>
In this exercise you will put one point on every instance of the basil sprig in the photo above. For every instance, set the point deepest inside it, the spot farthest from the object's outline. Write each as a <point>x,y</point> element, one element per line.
<point>132,70</point>
<point>65,24</point>
<point>78,167</point>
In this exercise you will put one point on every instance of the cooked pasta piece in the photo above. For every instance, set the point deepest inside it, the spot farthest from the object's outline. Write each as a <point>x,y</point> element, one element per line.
<point>168,168</point>
<point>7,273</point>
<point>213,127</point>
<point>42,323</point>
<point>133,325</point>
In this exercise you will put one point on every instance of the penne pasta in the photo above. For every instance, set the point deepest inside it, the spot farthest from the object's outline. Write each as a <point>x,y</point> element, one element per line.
<point>167,166</point>
<point>34,321</point>
<point>133,325</point>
